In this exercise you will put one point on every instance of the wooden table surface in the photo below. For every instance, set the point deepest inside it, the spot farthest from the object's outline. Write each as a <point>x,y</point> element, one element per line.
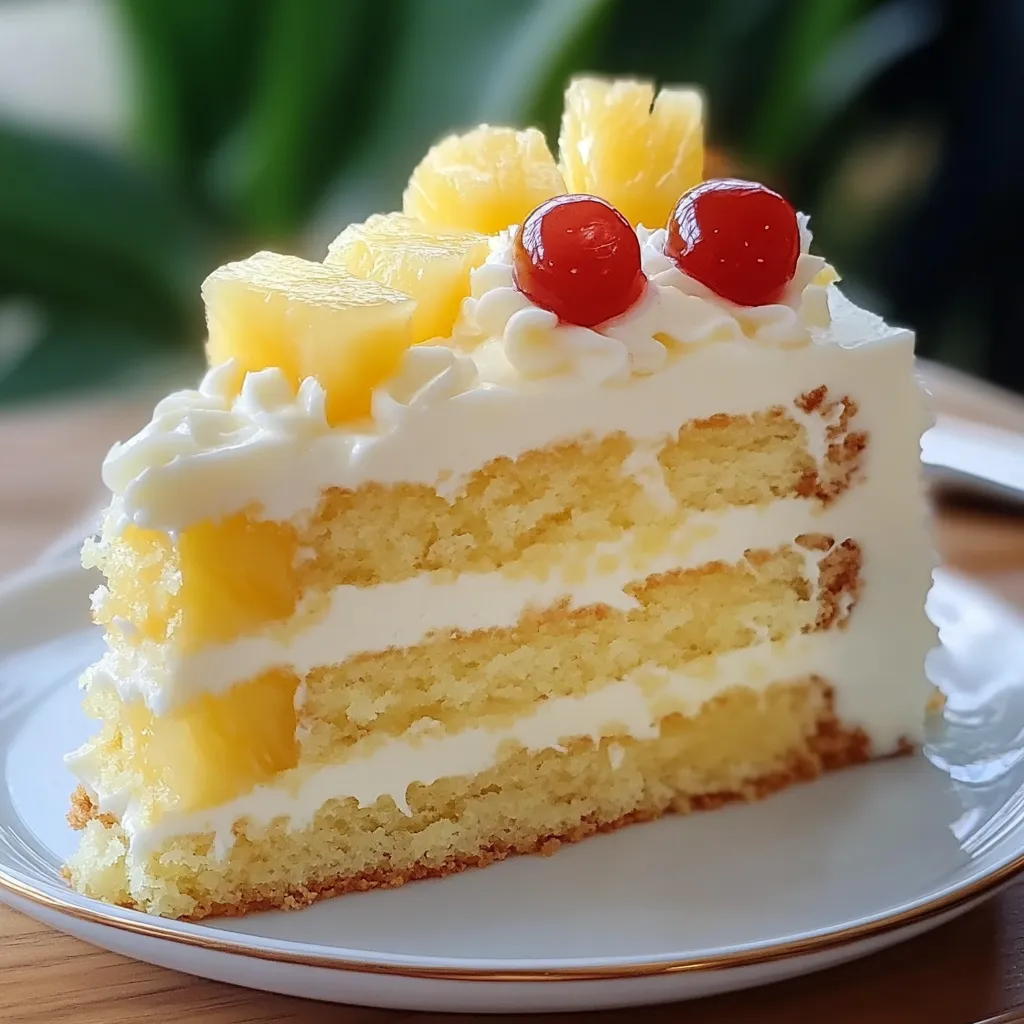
<point>967,971</point>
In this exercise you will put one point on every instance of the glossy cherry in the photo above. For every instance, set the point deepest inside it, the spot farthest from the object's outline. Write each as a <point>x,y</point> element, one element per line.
<point>737,238</point>
<point>577,256</point>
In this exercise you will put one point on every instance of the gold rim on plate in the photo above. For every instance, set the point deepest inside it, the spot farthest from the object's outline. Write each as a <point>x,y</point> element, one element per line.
<point>157,928</point>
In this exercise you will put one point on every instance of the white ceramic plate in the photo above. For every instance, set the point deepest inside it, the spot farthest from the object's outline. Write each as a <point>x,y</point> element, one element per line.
<point>679,908</point>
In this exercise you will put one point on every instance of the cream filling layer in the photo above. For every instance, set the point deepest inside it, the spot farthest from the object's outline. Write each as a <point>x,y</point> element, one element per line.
<point>369,619</point>
<point>632,707</point>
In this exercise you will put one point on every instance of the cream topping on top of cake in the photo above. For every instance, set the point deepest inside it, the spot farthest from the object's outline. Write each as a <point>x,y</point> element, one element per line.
<point>209,429</point>
<point>675,310</point>
<point>530,382</point>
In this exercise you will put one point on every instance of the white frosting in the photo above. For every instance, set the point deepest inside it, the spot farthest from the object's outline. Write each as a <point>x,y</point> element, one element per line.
<point>364,619</point>
<point>675,310</point>
<point>178,470</point>
<point>632,707</point>
<point>194,436</point>
<point>519,381</point>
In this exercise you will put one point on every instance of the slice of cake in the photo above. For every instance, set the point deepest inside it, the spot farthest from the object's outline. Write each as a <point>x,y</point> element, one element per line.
<point>569,496</point>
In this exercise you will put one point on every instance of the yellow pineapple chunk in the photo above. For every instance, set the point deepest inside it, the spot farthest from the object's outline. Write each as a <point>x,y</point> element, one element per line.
<point>311,321</point>
<point>216,747</point>
<point>484,180</point>
<point>221,580</point>
<point>429,263</point>
<point>237,574</point>
<point>640,158</point>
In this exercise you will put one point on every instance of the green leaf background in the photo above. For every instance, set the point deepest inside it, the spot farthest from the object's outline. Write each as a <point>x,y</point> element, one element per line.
<point>276,122</point>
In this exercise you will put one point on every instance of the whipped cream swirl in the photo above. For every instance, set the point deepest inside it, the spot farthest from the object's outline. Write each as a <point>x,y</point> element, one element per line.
<point>429,374</point>
<point>190,424</point>
<point>510,379</point>
<point>675,310</point>
<point>207,440</point>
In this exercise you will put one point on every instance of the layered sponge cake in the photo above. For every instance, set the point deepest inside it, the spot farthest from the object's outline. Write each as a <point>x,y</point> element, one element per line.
<point>573,494</point>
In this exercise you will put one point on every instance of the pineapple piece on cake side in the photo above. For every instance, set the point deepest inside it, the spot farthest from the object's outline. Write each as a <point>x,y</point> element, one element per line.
<point>430,264</point>
<point>310,320</point>
<point>484,180</point>
<point>218,745</point>
<point>637,151</point>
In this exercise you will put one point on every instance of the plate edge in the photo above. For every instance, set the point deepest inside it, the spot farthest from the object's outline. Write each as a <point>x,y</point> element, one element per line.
<point>156,928</point>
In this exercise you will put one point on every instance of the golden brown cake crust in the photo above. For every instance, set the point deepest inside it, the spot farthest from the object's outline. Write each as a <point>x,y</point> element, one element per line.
<point>846,447</point>
<point>83,810</point>
<point>832,747</point>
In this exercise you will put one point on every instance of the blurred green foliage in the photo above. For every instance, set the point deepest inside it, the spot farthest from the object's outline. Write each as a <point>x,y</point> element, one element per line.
<point>275,122</point>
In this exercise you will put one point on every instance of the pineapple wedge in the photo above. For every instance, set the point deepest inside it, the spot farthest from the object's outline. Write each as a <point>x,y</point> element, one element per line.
<point>217,746</point>
<point>311,321</point>
<point>638,152</point>
<point>484,180</point>
<point>430,264</point>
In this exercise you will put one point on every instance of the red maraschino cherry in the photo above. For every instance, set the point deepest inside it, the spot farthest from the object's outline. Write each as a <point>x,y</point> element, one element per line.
<point>578,257</point>
<point>737,238</point>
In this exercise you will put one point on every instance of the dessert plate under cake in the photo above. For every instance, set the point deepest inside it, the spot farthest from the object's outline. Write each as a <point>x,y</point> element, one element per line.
<point>824,873</point>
